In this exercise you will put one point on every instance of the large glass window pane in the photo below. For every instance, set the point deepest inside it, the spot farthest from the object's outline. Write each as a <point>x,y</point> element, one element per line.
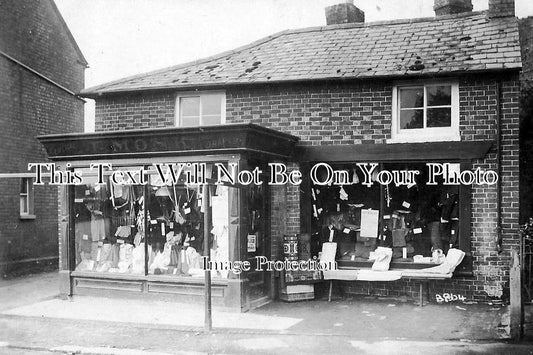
<point>439,95</point>
<point>419,223</point>
<point>109,227</point>
<point>422,221</point>
<point>439,117</point>
<point>176,228</point>
<point>412,97</point>
<point>410,119</point>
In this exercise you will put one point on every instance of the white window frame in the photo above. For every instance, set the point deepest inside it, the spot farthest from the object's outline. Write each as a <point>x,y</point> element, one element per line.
<point>428,134</point>
<point>200,94</point>
<point>29,197</point>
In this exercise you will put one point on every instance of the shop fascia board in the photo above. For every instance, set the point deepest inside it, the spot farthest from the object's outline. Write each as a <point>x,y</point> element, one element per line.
<point>433,151</point>
<point>246,139</point>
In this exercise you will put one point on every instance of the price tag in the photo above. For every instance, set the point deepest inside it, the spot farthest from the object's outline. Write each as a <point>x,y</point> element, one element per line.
<point>417,230</point>
<point>97,188</point>
<point>153,222</point>
<point>346,230</point>
<point>78,200</point>
<point>87,192</point>
<point>187,210</point>
<point>387,216</point>
<point>120,241</point>
<point>406,204</point>
<point>171,225</point>
<point>85,237</point>
<point>453,232</point>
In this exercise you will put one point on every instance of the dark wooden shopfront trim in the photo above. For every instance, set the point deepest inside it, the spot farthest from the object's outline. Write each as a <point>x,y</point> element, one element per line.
<point>207,140</point>
<point>458,151</point>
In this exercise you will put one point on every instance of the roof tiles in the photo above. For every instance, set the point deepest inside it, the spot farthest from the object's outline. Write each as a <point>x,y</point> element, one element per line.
<point>428,46</point>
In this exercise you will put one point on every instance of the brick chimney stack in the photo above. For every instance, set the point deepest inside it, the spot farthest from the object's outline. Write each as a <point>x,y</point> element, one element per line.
<point>501,8</point>
<point>345,12</point>
<point>450,7</point>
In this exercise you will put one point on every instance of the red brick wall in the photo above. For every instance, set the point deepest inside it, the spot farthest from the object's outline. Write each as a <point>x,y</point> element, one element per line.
<point>360,113</point>
<point>32,32</point>
<point>134,112</point>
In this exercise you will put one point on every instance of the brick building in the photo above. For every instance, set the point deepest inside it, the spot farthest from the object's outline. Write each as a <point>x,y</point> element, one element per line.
<point>400,93</point>
<point>41,68</point>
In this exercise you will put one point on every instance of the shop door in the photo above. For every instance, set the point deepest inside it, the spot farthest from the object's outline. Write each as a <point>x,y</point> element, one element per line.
<point>258,246</point>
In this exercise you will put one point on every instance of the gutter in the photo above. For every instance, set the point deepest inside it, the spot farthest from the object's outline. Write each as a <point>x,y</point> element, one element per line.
<point>42,76</point>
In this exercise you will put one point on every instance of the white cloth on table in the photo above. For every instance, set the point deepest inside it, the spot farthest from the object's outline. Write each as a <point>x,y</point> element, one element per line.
<point>344,275</point>
<point>453,259</point>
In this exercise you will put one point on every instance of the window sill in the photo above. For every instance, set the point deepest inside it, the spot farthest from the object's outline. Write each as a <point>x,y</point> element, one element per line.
<point>27,216</point>
<point>423,139</point>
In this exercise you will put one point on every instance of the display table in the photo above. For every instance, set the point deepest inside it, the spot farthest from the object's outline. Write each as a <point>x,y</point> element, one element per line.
<point>365,274</point>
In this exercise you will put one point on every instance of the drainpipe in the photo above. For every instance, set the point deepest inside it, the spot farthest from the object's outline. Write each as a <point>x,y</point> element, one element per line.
<point>499,166</point>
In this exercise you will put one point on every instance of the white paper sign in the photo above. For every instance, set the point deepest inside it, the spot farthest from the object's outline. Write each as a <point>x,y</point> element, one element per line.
<point>369,223</point>
<point>252,243</point>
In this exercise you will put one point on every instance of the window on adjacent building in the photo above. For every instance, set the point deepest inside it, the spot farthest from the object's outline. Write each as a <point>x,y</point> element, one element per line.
<point>425,112</point>
<point>26,197</point>
<point>200,109</point>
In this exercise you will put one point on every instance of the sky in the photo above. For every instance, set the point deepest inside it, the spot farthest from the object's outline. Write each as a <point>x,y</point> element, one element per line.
<point>126,37</point>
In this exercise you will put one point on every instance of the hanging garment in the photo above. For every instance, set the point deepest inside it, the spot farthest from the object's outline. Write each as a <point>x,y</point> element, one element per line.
<point>97,226</point>
<point>434,232</point>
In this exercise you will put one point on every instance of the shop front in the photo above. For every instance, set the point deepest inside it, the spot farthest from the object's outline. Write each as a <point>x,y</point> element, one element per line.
<point>136,220</point>
<point>412,200</point>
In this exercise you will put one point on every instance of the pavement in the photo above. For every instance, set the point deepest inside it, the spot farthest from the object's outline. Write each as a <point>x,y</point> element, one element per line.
<point>33,320</point>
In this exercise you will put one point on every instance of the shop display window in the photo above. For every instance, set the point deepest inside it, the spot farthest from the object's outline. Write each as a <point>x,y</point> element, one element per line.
<point>108,233</point>
<point>152,229</point>
<point>420,223</point>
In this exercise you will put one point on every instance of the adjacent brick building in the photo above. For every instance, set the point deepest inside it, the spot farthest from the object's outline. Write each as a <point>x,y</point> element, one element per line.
<point>41,68</point>
<point>399,93</point>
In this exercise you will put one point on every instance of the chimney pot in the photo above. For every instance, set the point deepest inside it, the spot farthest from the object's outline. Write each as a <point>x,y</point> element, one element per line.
<point>450,7</point>
<point>501,8</point>
<point>345,12</point>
